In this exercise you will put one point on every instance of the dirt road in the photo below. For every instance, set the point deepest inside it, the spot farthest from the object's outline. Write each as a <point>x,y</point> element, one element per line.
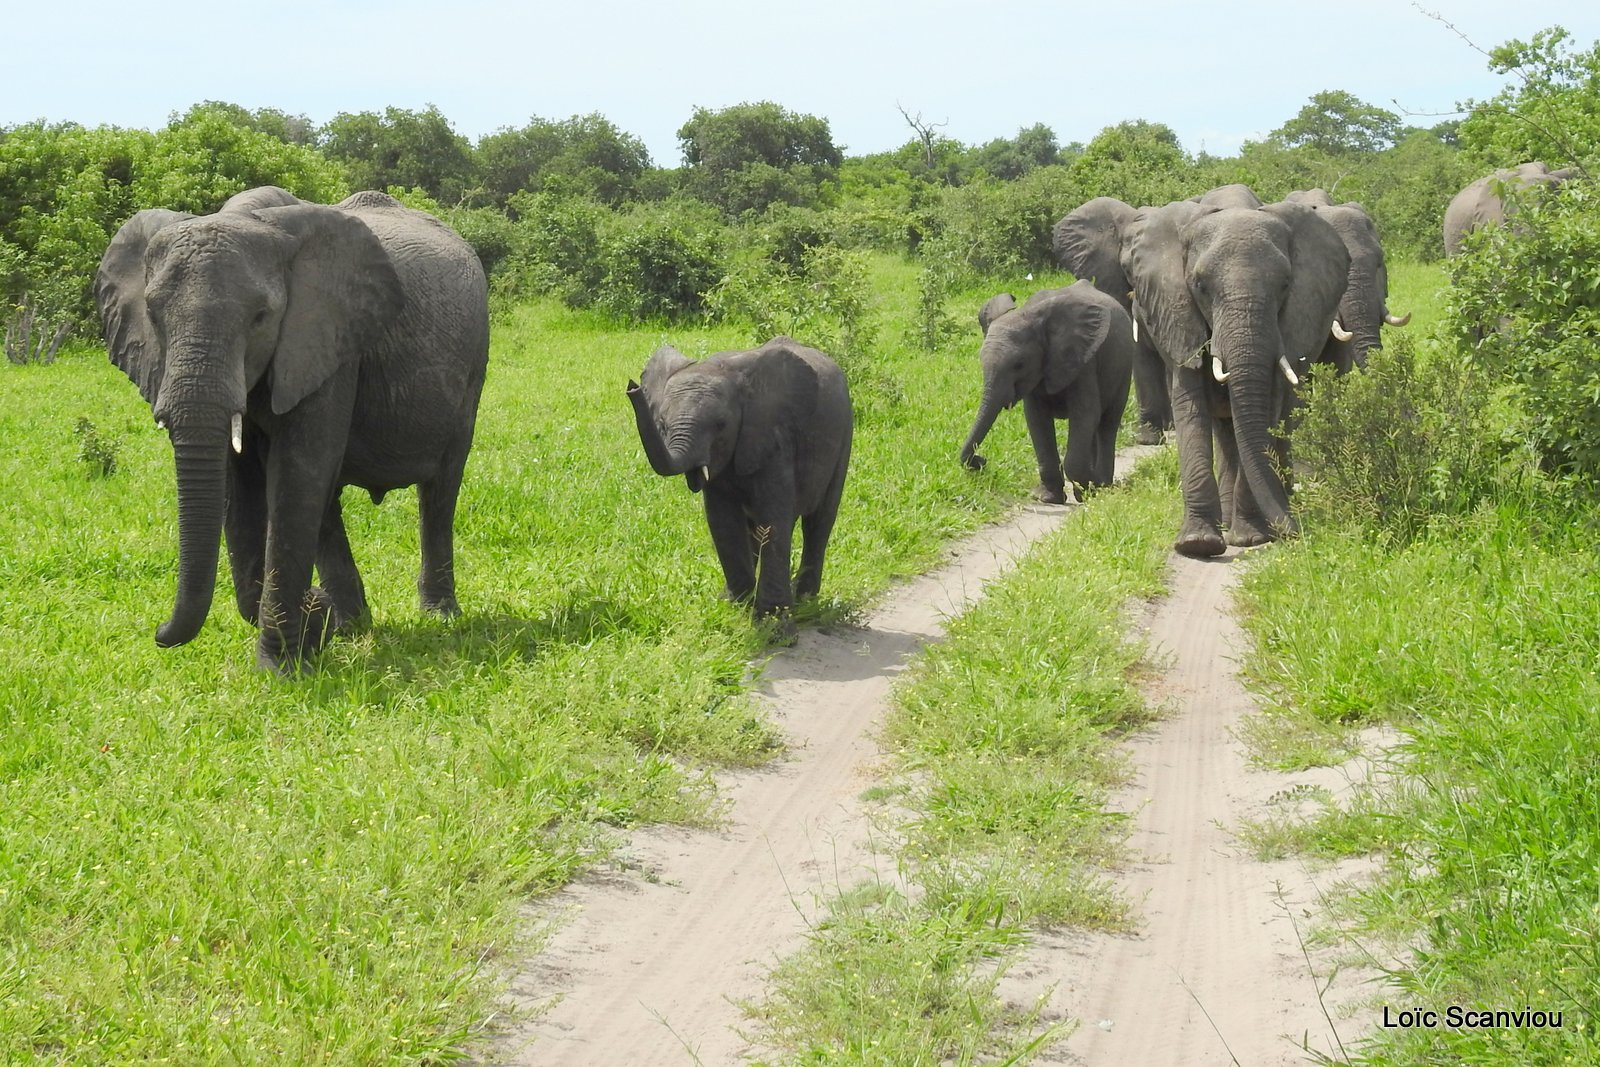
<point>649,960</point>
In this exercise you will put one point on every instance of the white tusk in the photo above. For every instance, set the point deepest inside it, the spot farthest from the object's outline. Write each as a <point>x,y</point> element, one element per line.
<point>1217,372</point>
<point>238,432</point>
<point>1340,333</point>
<point>1288,371</point>
<point>161,424</point>
<point>705,474</point>
<point>1136,329</point>
<point>1394,320</point>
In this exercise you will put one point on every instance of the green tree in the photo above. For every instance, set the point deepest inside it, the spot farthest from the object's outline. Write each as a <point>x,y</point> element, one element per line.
<point>1336,123</point>
<point>410,149</point>
<point>290,129</point>
<point>586,154</point>
<point>1551,113</point>
<point>742,158</point>
<point>1009,158</point>
<point>1137,161</point>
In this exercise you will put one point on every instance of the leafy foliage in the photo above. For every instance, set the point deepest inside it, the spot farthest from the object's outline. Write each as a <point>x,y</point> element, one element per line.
<point>1553,114</point>
<point>401,147</point>
<point>584,155</point>
<point>1338,124</point>
<point>744,157</point>
<point>660,264</point>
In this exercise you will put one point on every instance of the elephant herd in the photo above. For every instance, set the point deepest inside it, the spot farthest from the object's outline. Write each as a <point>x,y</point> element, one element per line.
<point>290,349</point>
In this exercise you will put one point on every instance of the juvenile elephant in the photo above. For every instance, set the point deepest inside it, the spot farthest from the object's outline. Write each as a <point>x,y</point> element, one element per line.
<point>1479,204</point>
<point>993,308</point>
<point>1091,241</point>
<point>1066,354</point>
<point>765,435</point>
<point>328,346</point>
<point>1237,300</point>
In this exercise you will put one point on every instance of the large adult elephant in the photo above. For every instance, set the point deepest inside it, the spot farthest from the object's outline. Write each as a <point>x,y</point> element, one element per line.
<point>329,346</point>
<point>1091,241</point>
<point>1479,204</point>
<point>1364,308</point>
<point>1238,301</point>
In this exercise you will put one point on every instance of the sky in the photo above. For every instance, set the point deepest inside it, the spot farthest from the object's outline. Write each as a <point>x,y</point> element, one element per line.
<point>1217,73</point>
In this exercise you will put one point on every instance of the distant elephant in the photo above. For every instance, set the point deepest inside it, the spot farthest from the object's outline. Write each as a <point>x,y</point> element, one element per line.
<point>1066,354</point>
<point>1238,301</point>
<point>1364,308</point>
<point>1479,204</point>
<point>765,434</point>
<point>332,346</point>
<point>993,308</point>
<point>1090,241</point>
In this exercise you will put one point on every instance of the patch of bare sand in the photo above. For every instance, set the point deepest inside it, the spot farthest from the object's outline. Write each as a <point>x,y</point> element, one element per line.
<point>1216,973</point>
<point>649,960</point>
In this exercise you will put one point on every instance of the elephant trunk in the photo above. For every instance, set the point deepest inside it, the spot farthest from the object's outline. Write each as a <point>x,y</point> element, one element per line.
<point>663,460</point>
<point>1253,396</point>
<point>200,452</point>
<point>988,410</point>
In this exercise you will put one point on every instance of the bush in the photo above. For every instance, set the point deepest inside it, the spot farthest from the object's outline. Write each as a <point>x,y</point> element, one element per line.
<point>1525,312</point>
<point>996,228</point>
<point>825,304</point>
<point>660,265</point>
<point>1408,441</point>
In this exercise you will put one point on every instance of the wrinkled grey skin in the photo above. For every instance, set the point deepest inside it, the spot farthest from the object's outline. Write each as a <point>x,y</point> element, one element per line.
<point>350,341</point>
<point>1364,308</point>
<point>993,308</point>
<point>1065,354</point>
<point>1480,204</point>
<point>765,435</point>
<point>1235,195</point>
<point>1234,289</point>
<point>1090,241</point>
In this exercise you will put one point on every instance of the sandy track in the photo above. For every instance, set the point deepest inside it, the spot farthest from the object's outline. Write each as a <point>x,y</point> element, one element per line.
<point>648,962</point>
<point>1218,928</point>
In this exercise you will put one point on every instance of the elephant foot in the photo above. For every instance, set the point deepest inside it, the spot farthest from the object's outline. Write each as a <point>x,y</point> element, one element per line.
<point>289,654</point>
<point>778,624</point>
<point>737,596</point>
<point>1246,534</point>
<point>1148,434</point>
<point>1049,494</point>
<point>1199,538</point>
<point>443,605</point>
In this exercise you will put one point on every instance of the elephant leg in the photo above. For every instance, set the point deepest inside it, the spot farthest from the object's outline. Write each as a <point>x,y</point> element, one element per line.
<point>1152,395</point>
<point>774,540</point>
<point>336,570</point>
<point>815,529</point>
<point>1052,487</point>
<point>1083,429</point>
<point>1105,444</point>
<point>245,526</point>
<point>1200,534</point>
<point>436,512</point>
<point>1228,470</point>
<point>731,536</point>
<point>295,617</point>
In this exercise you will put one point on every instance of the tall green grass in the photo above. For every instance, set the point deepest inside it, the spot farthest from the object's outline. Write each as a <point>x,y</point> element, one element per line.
<point>200,862</point>
<point>1004,740</point>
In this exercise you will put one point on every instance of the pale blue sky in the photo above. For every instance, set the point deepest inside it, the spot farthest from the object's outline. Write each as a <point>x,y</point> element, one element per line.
<point>1217,73</point>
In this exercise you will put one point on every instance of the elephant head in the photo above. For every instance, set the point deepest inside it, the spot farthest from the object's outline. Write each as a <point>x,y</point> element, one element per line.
<point>1047,343</point>
<point>715,418</point>
<point>1364,308</point>
<point>1090,242</point>
<point>1482,202</point>
<point>993,308</point>
<point>244,312</point>
<point>1235,195</point>
<point>1251,291</point>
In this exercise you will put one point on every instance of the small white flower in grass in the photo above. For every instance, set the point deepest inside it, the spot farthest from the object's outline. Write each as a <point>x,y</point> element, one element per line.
<point>1106,1024</point>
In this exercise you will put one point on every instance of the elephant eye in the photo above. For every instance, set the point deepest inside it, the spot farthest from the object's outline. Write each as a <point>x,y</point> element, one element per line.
<point>261,316</point>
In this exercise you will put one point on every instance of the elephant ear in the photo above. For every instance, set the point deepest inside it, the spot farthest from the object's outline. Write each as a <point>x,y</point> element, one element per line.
<point>780,394</point>
<point>343,292</point>
<point>997,305</point>
<point>1088,242</point>
<point>1159,272</point>
<point>1076,324</point>
<point>1319,269</point>
<point>131,337</point>
<point>663,363</point>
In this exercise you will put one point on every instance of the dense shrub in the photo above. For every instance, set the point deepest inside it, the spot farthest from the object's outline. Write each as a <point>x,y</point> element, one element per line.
<point>997,228</point>
<point>660,264</point>
<point>824,304</point>
<point>1525,311</point>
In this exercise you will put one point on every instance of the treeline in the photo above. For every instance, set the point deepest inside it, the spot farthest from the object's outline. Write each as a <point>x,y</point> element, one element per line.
<point>577,208</point>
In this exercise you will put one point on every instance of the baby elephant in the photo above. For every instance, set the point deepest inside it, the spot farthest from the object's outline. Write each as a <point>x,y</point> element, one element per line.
<point>765,433</point>
<point>1066,354</point>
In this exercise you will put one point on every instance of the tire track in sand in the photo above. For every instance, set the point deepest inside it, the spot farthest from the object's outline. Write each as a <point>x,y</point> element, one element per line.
<point>647,968</point>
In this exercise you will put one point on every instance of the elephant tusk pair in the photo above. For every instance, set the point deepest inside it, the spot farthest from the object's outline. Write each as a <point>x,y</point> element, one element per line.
<point>1396,320</point>
<point>1288,371</point>
<point>238,432</point>
<point>1340,333</point>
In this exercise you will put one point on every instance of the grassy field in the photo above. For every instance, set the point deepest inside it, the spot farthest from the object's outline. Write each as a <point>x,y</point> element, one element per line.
<point>203,863</point>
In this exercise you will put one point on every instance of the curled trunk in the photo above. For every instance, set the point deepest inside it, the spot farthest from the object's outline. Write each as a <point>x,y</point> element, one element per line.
<point>663,460</point>
<point>200,454</point>
<point>988,410</point>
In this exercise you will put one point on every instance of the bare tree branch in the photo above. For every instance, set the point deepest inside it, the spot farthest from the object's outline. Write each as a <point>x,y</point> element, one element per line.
<point>926,131</point>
